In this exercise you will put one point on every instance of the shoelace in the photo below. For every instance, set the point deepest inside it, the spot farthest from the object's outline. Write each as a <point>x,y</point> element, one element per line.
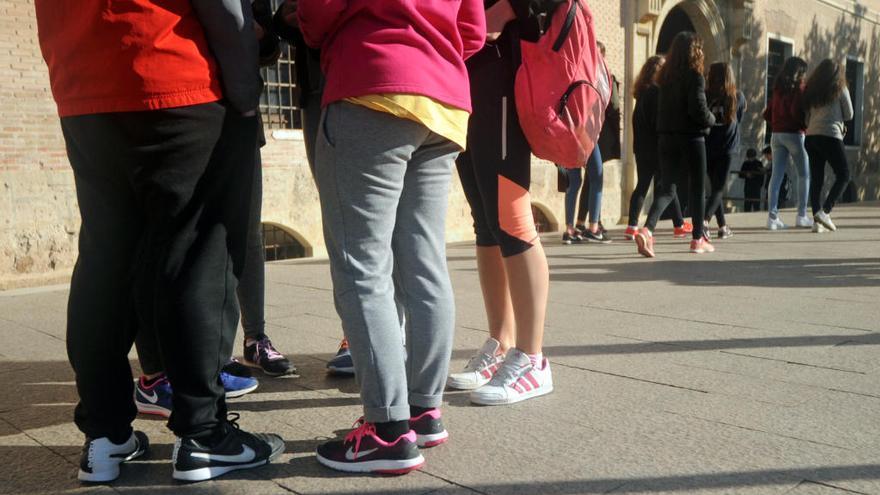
<point>509,374</point>
<point>479,361</point>
<point>232,420</point>
<point>264,345</point>
<point>361,429</point>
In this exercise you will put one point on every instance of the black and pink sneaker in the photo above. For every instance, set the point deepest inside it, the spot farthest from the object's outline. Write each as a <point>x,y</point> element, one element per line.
<point>429,429</point>
<point>362,451</point>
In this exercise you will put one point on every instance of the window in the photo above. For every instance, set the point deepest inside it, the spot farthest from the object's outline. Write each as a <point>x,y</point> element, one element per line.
<point>777,52</point>
<point>278,101</point>
<point>280,245</point>
<point>855,82</point>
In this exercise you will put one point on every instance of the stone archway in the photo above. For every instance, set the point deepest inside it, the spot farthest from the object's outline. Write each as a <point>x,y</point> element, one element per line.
<point>706,19</point>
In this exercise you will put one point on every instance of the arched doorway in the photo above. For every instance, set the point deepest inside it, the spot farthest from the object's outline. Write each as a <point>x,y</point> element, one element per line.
<point>282,243</point>
<point>700,16</point>
<point>677,21</point>
<point>544,219</point>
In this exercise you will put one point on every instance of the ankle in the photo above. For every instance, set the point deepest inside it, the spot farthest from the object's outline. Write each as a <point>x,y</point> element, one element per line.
<point>416,411</point>
<point>389,431</point>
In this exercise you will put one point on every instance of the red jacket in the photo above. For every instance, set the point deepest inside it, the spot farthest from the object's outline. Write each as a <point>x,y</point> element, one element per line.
<point>786,114</point>
<point>120,56</point>
<point>399,46</point>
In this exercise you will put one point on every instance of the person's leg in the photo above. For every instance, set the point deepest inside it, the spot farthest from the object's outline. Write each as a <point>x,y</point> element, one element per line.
<point>252,286</point>
<point>802,165</point>
<point>667,179</point>
<point>584,202</point>
<point>311,118</point>
<point>596,180</point>
<point>100,313</point>
<point>816,153</point>
<point>840,166</point>
<point>694,155</point>
<point>361,164</point>
<point>780,164</point>
<point>480,188</point>
<point>719,169</point>
<point>424,288</point>
<point>646,167</point>
<point>571,197</point>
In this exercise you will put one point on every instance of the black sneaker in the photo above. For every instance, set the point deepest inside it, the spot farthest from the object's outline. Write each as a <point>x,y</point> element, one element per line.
<point>429,429</point>
<point>194,461</point>
<point>261,354</point>
<point>569,239</point>
<point>600,237</point>
<point>362,451</point>
<point>101,458</point>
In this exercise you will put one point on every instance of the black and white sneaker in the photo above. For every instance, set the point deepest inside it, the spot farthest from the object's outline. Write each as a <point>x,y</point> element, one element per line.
<point>261,354</point>
<point>429,429</point>
<point>101,458</point>
<point>195,461</point>
<point>362,451</point>
<point>599,237</point>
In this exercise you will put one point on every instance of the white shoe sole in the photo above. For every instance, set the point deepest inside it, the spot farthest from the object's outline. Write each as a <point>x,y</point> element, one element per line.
<point>828,226</point>
<point>462,384</point>
<point>486,401</point>
<point>238,393</point>
<point>427,441</point>
<point>112,471</point>
<point>203,474</point>
<point>387,466</point>
<point>153,410</point>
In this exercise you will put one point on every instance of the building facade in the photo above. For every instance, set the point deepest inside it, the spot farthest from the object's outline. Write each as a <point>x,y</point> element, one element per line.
<point>39,221</point>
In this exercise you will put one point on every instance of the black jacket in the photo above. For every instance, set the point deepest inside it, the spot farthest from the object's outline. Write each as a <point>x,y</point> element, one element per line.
<point>307,61</point>
<point>644,122</point>
<point>682,107</point>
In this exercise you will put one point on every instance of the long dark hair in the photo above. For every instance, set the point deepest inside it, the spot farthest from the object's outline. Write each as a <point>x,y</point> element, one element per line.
<point>791,77</point>
<point>721,88</point>
<point>685,55</point>
<point>825,84</point>
<point>647,75</point>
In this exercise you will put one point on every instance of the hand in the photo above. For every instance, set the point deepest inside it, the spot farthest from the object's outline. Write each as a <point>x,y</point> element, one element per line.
<point>288,13</point>
<point>493,36</point>
<point>497,16</point>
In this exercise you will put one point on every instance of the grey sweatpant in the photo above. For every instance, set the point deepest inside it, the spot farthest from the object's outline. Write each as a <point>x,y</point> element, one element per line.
<point>384,187</point>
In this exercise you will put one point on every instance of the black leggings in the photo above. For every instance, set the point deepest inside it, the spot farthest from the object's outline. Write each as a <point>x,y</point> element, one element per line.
<point>824,149</point>
<point>495,170</point>
<point>682,158</point>
<point>647,171</point>
<point>719,169</point>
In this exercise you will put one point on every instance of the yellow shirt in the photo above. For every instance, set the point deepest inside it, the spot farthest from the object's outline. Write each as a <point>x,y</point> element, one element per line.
<point>442,119</point>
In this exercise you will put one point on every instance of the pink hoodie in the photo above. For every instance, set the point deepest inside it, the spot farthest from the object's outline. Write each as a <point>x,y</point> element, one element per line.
<point>395,46</point>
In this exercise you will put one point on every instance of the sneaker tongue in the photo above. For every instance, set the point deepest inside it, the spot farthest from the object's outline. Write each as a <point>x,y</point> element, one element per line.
<point>517,358</point>
<point>491,347</point>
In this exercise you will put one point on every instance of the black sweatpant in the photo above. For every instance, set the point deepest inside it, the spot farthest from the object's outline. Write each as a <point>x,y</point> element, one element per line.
<point>682,159</point>
<point>718,170</point>
<point>647,170</point>
<point>162,242</point>
<point>822,149</point>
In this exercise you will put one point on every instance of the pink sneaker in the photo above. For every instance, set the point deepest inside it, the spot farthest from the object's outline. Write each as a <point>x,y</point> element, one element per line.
<point>429,429</point>
<point>645,244</point>
<point>683,231</point>
<point>630,233</point>
<point>702,246</point>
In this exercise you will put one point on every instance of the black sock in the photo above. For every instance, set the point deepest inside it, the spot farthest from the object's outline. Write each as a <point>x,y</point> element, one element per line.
<point>392,430</point>
<point>416,411</point>
<point>120,437</point>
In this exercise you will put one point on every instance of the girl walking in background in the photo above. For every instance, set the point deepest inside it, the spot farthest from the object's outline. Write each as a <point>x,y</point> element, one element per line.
<point>495,173</point>
<point>645,139</point>
<point>683,122</point>
<point>829,107</point>
<point>785,114</point>
<point>396,107</point>
<point>727,105</point>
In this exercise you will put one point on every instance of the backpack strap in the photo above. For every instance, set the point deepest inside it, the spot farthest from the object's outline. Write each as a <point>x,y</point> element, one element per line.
<point>566,28</point>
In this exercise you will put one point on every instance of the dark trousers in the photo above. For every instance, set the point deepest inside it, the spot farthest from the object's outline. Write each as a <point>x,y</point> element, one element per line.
<point>682,159</point>
<point>647,165</point>
<point>161,246</point>
<point>718,169</point>
<point>822,149</point>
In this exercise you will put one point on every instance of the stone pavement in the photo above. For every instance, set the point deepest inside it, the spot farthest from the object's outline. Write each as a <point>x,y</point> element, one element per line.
<point>753,370</point>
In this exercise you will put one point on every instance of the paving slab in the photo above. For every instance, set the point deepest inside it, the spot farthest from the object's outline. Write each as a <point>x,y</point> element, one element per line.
<point>755,370</point>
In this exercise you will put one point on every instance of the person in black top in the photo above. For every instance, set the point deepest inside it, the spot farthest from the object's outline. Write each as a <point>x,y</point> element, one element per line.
<point>727,105</point>
<point>752,171</point>
<point>683,123</point>
<point>645,139</point>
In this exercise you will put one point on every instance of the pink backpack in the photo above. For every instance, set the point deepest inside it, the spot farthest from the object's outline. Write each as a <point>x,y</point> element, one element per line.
<point>563,87</point>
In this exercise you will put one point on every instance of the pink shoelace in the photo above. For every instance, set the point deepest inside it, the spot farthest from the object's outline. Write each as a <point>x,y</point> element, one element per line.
<point>271,353</point>
<point>361,429</point>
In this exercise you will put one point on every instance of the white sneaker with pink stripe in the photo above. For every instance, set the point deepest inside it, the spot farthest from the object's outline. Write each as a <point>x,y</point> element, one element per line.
<point>517,380</point>
<point>480,369</point>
